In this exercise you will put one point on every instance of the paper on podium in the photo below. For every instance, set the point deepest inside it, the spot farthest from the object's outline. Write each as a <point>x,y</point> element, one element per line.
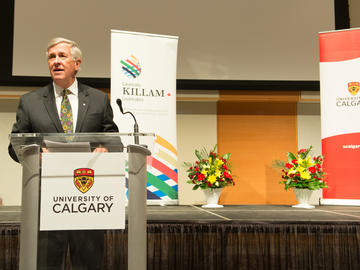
<point>67,147</point>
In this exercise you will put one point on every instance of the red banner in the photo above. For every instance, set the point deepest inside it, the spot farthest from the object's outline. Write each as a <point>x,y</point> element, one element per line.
<point>340,111</point>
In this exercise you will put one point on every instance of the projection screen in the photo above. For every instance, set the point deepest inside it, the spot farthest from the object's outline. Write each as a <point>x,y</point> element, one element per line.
<point>220,40</point>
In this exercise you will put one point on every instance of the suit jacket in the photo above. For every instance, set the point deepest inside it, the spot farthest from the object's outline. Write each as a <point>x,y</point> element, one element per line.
<point>37,113</point>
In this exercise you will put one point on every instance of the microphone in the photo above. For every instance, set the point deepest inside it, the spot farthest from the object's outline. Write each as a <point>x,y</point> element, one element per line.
<point>136,127</point>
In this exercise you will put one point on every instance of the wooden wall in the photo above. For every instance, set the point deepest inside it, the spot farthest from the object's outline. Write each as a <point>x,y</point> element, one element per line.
<point>257,128</point>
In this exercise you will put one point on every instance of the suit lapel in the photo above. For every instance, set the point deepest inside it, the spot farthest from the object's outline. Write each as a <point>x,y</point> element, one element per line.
<point>50,105</point>
<point>83,96</point>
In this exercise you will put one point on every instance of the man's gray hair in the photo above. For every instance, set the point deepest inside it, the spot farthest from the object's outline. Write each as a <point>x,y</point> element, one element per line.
<point>75,50</point>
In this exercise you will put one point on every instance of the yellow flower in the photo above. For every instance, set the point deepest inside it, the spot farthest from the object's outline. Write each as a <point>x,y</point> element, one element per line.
<point>212,179</point>
<point>217,173</point>
<point>218,162</point>
<point>210,159</point>
<point>204,172</point>
<point>292,171</point>
<point>305,175</point>
<point>306,162</point>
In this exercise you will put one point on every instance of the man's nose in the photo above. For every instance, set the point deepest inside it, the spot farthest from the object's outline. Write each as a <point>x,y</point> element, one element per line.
<point>56,60</point>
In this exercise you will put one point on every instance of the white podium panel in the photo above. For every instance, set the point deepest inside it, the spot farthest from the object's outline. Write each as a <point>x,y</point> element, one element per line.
<point>82,191</point>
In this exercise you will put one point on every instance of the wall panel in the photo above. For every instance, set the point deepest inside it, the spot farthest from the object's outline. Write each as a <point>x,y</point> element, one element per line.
<point>257,129</point>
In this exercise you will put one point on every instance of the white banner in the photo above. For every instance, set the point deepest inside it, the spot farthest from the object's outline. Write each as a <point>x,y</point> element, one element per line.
<point>143,76</point>
<point>340,106</point>
<point>82,191</point>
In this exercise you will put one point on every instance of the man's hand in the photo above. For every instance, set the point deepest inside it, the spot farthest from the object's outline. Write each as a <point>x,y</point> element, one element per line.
<point>101,149</point>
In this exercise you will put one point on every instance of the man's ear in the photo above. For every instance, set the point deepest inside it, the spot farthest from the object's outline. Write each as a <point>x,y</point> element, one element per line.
<point>77,64</point>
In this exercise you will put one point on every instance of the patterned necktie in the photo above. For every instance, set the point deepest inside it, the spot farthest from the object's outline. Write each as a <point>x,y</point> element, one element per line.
<point>66,113</point>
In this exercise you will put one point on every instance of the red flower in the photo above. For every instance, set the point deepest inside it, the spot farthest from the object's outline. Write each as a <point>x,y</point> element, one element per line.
<point>312,169</point>
<point>227,175</point>
<point>196,169</point>
<point>302,151</point>
<point>294,161</point>
<point>288,165</point>
<point>224,167</point>
<point>201,177</point>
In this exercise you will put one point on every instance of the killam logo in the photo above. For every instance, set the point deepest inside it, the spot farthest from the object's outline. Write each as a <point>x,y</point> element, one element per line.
<point>131,67</point>
<point>142,92</point>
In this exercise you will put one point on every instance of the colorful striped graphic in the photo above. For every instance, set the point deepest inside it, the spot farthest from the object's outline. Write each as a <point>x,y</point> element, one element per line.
<point>131,67</point>
<point>162,175</point>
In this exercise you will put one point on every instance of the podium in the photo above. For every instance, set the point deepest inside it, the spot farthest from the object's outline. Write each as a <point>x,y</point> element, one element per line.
<point>34,150</point>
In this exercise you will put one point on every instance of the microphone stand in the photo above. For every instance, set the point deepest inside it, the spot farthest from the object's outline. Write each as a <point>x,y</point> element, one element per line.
<point>136,127</point>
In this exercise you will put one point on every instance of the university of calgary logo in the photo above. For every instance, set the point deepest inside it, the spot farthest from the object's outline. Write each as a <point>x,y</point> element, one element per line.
<point>83,179</point>
<point>131,67</point>
<point>353,87</point>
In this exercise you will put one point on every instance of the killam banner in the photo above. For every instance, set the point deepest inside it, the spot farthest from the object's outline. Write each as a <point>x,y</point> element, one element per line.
<point>143,77</point>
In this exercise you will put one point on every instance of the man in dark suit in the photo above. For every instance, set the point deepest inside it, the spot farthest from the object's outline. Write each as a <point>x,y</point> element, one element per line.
<point>44,111</point>
<point>39,111</point>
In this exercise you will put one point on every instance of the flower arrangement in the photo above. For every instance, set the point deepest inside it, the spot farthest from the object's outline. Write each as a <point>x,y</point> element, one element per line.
<point>302,171</point>
<point>210,171</point>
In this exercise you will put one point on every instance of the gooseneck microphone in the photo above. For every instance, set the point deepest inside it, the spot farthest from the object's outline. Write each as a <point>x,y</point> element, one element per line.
<point>136,127</point>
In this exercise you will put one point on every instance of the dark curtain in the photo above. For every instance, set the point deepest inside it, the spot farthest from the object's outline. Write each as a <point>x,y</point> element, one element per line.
<point>253,246</point>
<point>9,246</point>
<point>225,246</point>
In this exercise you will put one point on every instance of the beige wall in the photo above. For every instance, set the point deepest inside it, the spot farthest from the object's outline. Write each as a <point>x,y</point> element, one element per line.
<point>10,181</point>
<point>309,127</point>
<point>354,8</point>
<point>196,128</point>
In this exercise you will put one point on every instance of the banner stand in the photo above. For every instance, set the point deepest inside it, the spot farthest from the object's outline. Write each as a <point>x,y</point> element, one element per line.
<point>143,78</point>
<point>339,55</point>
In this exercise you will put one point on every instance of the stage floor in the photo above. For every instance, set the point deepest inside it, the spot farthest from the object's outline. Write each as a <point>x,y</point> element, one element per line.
<point>231,214</point>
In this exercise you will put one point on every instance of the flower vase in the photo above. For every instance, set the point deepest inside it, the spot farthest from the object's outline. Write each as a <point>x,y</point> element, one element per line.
<point>303,196</point>
<point>212,198</point>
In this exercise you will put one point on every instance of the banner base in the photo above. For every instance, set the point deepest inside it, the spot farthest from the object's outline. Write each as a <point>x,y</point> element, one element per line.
<point>339,202</point>
<point>162,202</point>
